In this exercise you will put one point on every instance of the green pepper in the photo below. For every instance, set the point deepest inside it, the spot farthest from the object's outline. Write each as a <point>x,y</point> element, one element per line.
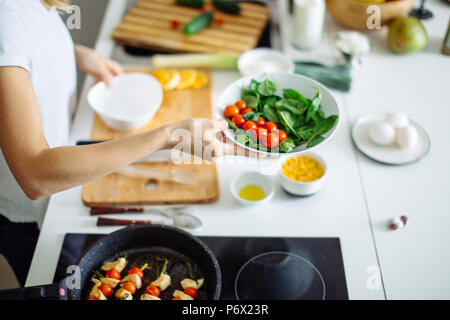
<point>228,6</point>
<point>198,23</point>
<point>191,3</point>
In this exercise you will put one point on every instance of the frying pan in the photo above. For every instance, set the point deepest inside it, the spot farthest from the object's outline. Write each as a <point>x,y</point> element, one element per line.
<point>128,239</point>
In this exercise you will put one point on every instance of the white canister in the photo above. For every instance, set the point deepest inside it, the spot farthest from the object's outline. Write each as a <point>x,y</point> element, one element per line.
<point>308,23</point>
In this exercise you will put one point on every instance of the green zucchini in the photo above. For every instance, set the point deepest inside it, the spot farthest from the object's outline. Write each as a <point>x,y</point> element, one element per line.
<point>191,3</point>
<point>198,23</point>
<point>228,6</point>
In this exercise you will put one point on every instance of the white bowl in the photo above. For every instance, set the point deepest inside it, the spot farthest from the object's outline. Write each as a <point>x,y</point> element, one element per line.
<point>252,178</point>
<point>304,188</point>
<point>288,81</point>
<point>262,60</point>
<point>129,104</point>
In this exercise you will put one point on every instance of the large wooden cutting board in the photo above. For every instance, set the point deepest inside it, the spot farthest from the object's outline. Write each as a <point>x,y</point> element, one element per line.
<point>148,25</point>
<point>117,189</point>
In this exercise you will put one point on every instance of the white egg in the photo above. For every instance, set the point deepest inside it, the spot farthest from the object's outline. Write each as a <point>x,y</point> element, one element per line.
<point>397,120</point>
<point>382,133</point>
<point>407,137</point>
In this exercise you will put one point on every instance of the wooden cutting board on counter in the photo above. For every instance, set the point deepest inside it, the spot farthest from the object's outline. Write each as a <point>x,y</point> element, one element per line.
<point>148,25</point>
<point>117,189</point>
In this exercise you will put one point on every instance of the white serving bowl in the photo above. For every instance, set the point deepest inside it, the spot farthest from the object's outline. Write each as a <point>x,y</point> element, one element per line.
<point>253,61</point>
<point>129,104</point>
<point>304,188</point>
<point>252,178</point>
<point>300,83</point>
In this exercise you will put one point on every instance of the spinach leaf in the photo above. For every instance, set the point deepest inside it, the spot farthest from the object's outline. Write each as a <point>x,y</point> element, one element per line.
<point>242,138</point>
<point>270,114</point>
<point>294,94</point>
<point>314,106</point>
<point>288,120</point>
<point>325,125</point>
<point>251,101</point>
<point>315,141</point>
<point>287,145</point>
<point>267,88</point>
<point>304,132</point>
<point>231,124</point>
<point>254,87</point>
<point>252,116</point>
<point>291,105</point>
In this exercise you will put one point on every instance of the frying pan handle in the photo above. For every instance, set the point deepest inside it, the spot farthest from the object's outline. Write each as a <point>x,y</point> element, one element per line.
<point>45,292</point>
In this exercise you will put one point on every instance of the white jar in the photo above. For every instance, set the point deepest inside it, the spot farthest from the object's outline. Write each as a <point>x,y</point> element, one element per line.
<point>308,23</point>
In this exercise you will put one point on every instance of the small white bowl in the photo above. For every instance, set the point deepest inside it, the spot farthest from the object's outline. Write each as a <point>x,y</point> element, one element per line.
<point>303,188</point>
<point>252,178</point>
<point>129,104</point>
<point>264,60</point>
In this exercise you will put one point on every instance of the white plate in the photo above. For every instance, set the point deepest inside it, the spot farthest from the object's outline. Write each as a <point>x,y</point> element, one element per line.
<point>300,83</point>
<point>390,154</point>
<point>130,103</point>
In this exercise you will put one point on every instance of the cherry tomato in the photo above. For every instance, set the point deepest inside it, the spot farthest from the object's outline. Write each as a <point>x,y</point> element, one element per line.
<point>231,111</point>
<point>176,298</point>
<point>220,21</point>
<point>260,122</point>
<point>270,126</point>
<point>92,299</point>
<point>249,125</point>
<point>113,274</point>
<point>106,289</point>
<point>174,23</point>
<point>272,141</point>
<point>137,271</point>
<point>239,120</point>
<point>260,133</point>
<point>190,291</point>
<point>152,290</point>
<point>130,287</point>
<point>282,135</point>
<point>246,110</point>
<point>241,104</point>
<point>205,8</point>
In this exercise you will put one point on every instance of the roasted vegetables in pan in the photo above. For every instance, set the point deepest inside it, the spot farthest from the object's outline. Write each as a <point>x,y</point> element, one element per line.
<point>158,274</point>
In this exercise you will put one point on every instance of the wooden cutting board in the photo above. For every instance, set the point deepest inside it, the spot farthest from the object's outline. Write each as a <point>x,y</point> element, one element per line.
<point>148,25</point>
<point>117,189</point>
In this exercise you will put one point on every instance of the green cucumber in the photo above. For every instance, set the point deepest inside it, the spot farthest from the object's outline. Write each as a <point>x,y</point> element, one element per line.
<point>198,23</point>
<point>228,6</point>
<point>191,3</point>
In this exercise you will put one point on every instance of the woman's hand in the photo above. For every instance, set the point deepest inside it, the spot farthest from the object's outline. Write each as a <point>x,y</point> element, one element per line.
<point>203,138</point>
<point>102,69</point>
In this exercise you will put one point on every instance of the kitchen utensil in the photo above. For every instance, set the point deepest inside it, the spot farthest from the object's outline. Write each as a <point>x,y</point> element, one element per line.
<point>128,241</point>
<point>390,154</point>
<point>95,211</point>
<point>129,104</point>
<point>304,85</point>
<point>148,25</point>
<point>118,189</point>
<point>174,175</point>
<point>256,179</point>
<point>262,60</point>
<point>189,223</point>
<point>106,222</point>
<point>179,216</point>
<point>353,14</point>
<point>304,188</point>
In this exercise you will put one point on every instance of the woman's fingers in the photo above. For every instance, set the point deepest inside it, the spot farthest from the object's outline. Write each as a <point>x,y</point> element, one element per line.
<point>114,67</point>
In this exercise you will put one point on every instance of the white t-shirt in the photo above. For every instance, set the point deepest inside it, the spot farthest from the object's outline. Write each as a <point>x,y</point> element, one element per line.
<point>36,39</point>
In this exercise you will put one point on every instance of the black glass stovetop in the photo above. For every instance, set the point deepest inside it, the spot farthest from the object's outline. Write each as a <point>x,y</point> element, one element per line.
<point>257,268</point>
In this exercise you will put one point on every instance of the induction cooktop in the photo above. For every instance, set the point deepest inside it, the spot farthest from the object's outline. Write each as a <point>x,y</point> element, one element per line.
<point>257,268</point>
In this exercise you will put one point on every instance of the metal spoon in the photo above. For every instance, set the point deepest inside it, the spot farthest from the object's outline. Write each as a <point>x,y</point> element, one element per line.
<point>180,218</point>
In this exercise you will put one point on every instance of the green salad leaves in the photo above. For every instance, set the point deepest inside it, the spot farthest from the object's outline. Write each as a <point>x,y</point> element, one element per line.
<point>301,118</point>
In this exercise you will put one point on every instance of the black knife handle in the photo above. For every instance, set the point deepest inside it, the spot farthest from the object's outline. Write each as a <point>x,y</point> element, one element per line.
<point>88,142</point>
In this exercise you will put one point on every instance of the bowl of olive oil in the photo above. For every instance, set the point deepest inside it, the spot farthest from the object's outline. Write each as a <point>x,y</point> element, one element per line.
<point>252,188</point>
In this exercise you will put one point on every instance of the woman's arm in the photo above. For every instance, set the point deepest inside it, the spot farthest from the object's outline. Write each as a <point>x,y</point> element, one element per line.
<point>42,171</point>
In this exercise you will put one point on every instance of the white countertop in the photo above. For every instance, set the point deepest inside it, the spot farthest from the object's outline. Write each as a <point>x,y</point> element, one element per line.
<point>359,195</point>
